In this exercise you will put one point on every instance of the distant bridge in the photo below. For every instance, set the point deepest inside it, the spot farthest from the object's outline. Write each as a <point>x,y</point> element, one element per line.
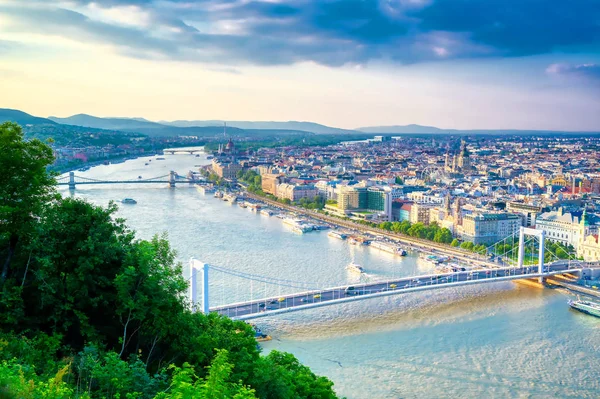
<point>169,180</point>
<point>173,151</point>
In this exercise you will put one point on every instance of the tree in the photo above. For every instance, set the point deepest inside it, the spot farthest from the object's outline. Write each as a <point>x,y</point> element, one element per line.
<point>25,186</point>
<point>455,243</point>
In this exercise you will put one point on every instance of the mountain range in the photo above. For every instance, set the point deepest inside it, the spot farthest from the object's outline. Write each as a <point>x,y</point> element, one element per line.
<point>234,128</point>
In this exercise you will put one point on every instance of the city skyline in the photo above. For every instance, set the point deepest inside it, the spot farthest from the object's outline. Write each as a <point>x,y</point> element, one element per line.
<point>449,64</point>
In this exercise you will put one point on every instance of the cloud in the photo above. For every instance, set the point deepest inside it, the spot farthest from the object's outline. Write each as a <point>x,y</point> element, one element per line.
<point>586,71</point>
<point>329,32</point>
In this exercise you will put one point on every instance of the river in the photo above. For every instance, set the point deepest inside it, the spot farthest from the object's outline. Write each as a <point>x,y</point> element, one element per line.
<point>501,340</point>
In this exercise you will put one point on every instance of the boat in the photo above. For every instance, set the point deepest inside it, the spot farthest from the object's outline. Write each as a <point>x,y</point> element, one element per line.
<point>354,240</point>
<point>139,177</point>
<point>210,157</point>
<point>254,207</point>
<point>355,268</point>
<point>146,164</point>
<point>383,246</point>
<point>218,194</point>
<point>259,335</point>
<point>160,159</point>
<point>337,234</point>
<point>230,197</point>
<point>266,212</point>
<point>205,189</point>
<point>128,201</point>
<point>589,307</point>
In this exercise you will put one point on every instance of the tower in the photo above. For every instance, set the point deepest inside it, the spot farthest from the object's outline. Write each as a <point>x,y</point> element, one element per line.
<point>464,163</point>
<point>448,206</point>
<point>457,212</point>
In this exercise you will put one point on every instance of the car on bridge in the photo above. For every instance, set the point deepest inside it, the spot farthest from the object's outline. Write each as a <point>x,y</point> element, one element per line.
<point>317,296</point>
<point>393,286</point>
<point>281,299</point>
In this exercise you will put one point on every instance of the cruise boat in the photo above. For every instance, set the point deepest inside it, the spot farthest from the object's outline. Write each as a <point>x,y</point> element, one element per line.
<point>230,197</point>
<point>128,201</point>
<point>354,268</point>
<point>589,307</point>
<point>337,234</point>
<point>393,249</point>
<point>358,241</point>
<point>266,212</point>
<point>205,189</point>
<point>242,204</point>
<point>218,194</point>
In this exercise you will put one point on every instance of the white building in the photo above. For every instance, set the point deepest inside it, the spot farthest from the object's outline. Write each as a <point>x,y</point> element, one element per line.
<point>560,227</point>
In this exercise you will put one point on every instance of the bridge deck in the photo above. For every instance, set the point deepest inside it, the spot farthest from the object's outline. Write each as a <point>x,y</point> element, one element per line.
<point>330,296</point>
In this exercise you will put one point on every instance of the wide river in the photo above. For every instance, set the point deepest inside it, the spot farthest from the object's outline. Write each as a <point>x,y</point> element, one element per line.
<point>501,340</point>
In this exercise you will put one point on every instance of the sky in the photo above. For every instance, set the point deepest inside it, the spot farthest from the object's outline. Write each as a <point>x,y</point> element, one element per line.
<point>462,64</point>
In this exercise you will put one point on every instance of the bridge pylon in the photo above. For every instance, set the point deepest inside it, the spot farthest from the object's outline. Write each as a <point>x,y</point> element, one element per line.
<point>195,268</point>
<point>71,180</point>
<point>541,235</point>
<point>172,178</point>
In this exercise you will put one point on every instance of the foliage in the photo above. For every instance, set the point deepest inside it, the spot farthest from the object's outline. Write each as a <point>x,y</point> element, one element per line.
<point>89,311</point>
<point>25,186</point>
<point>315,203</point>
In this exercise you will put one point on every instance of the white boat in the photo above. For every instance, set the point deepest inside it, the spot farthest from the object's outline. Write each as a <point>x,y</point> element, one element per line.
<point>336,234</point>
<point>384,246</point>
<point>218,194</point>
<point>205,189</point>
<point>266,212</point>
<point>128,201</point>
<point>230,197</point>
<point>354,268</point>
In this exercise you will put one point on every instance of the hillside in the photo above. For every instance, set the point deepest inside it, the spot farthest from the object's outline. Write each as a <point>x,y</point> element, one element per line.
<point>106,123</point>
<point>310,127</point>
<point>22,118</point>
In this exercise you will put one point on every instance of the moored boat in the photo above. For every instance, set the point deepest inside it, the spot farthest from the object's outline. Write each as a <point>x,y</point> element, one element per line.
<point>128,201</point>
<point>337,234</point>
<point>205,189</point>
<point>266,212</point>
<point>588,307</point>
<point>393,249</point>
<point>230,197</point>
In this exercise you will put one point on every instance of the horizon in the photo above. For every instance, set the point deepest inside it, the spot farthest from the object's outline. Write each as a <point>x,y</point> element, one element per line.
<point>341,63</point>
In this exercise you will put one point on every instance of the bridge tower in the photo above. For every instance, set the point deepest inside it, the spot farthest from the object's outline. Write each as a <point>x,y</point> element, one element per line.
<point>195,268</point>
<point>172,178</point>
<point>541,234</point>
<point>71,180</point>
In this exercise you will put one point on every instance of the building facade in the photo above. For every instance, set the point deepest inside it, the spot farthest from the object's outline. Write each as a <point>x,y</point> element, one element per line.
<point>488,228</point>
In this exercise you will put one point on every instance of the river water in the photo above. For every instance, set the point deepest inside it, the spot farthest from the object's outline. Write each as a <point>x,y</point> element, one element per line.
<point>501,340</point>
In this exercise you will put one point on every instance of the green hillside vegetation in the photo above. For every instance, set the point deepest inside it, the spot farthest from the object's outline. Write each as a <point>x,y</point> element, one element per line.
<point>89,311</point>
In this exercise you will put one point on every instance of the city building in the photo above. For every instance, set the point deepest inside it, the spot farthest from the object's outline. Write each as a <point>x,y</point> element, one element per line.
<point>226,170</point>
<point>295,192</point>
<point>488,228</point>
<point>269,182</point>
<point>529,211</point>
<point>560,226</point>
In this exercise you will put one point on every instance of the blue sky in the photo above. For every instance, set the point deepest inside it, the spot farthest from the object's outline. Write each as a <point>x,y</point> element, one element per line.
<point>529,64</point>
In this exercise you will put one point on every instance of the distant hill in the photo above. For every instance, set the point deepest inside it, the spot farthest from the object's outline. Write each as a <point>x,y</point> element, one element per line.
<point>405,129</point>
<point>310,127</point>
<point>106,123</point>
<point>22,118</point>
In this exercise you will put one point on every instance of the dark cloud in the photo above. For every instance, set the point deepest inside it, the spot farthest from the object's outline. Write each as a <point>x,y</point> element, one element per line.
<point>336,32</point>
<point>587,71</point>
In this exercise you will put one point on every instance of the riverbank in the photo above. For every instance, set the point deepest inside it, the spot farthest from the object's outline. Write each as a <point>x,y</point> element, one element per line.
<point>414,243</point>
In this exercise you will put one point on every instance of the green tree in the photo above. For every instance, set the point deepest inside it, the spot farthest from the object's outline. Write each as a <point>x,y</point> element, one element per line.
<point>455,243</point>
<point>25,186</point>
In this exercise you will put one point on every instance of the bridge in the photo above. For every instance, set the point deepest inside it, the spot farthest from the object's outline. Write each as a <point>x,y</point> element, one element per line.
<point>171,180</point>
<point>173,151</point>
<point>312,296</point>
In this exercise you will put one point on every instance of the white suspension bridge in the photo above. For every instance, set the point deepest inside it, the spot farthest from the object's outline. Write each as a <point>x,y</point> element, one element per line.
<point>170,180</point>
<point>529,264</point>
